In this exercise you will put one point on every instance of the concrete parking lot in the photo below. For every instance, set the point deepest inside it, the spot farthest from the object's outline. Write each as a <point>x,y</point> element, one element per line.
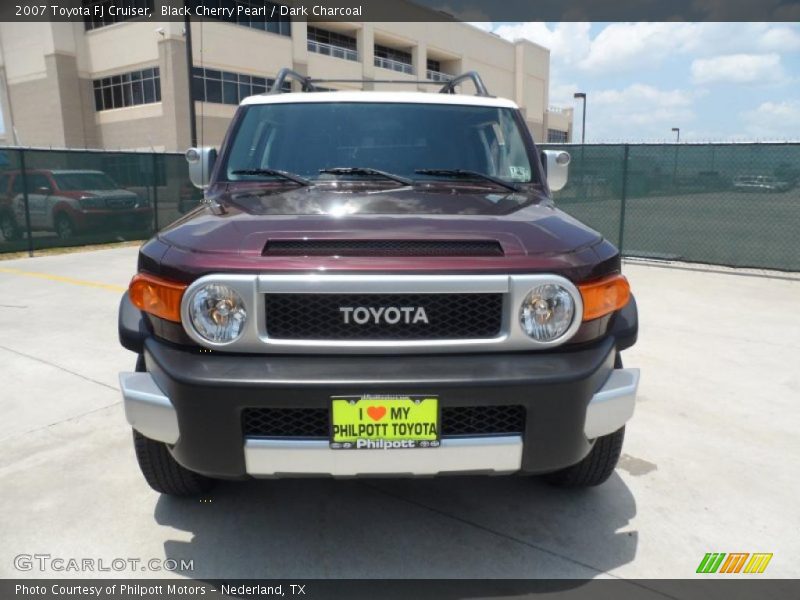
<point>710,461</point>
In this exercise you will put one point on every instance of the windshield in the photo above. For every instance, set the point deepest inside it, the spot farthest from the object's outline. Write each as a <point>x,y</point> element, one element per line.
<point>397,138</point>
<point>74,182</point>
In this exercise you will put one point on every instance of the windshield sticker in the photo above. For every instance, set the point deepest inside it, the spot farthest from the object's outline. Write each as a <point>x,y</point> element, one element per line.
<point>519,173</point>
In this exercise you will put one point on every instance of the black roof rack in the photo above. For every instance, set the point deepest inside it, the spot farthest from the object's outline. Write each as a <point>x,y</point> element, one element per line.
<point>308,83</point>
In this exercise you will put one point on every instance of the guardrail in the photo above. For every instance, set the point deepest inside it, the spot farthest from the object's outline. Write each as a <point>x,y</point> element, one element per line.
<point>438,76</point>
<point>331,50</point>
<point>394,65</point>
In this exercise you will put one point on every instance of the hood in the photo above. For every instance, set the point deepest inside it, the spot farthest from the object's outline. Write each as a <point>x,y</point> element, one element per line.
<point>524,223</point>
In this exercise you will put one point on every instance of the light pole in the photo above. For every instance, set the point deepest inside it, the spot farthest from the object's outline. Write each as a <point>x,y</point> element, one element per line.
<point>677,130</point>
<point>582,96</point>
<point>581,170</point>
<point>187,26</point>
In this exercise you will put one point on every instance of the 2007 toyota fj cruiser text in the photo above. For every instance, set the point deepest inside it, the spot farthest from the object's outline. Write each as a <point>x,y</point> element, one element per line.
<point>377,284</point>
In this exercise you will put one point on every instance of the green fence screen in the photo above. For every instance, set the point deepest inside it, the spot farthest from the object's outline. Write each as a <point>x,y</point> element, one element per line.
<point>51,198</point>
<point>726,204</point>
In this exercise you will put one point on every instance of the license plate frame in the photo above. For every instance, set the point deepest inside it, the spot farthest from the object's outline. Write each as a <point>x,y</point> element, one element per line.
<point>386,438</point>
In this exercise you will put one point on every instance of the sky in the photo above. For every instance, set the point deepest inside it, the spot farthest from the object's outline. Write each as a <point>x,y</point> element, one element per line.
<point>715,81</point>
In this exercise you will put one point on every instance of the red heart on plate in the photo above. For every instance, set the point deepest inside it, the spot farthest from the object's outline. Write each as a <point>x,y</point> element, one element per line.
<point>376,413</point>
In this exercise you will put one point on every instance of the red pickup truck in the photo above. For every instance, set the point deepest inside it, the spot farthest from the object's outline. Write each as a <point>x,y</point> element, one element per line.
<point>69,202</point>
<point>377,283</point>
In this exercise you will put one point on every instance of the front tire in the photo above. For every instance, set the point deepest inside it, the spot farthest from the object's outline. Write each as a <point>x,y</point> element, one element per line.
<point>596,468</point>
<point>64,227</point>
<point>163,473</point>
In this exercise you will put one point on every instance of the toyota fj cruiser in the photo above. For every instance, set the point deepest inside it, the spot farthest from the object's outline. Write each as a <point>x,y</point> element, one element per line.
<point>377,284</point>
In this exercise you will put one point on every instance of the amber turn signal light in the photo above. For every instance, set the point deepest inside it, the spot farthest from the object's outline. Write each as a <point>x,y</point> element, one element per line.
<point>157,296</point>
<point>604,296</point>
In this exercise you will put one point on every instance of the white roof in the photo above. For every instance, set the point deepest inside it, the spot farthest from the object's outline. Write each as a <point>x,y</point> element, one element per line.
<point>396,96</point>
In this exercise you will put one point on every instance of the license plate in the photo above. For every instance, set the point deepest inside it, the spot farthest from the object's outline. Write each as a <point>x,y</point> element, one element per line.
<point>384,422</point>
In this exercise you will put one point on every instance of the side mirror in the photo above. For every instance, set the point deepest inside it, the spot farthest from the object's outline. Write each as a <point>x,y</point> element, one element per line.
<point>201,163</point>
<point>556,163</point>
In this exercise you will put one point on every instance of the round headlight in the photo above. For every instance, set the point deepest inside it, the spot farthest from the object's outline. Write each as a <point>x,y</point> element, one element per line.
<point>217,313</point>
<point>547,312</point>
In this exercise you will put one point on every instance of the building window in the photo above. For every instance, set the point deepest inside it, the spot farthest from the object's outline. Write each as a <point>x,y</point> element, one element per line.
<point>278,24</point>
<point>99,14</point>
<point>127,89</point>
<point>434,65</point>
<point>393,59</point>
<point>556,136</point>
<point>330,43</point>
<point>224,87</point>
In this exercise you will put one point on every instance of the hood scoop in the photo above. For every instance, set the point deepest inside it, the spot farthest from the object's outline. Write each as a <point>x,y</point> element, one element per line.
<point>383,248</point>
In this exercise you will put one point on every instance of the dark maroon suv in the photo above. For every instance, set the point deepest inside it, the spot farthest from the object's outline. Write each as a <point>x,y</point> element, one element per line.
<point>376,284</point>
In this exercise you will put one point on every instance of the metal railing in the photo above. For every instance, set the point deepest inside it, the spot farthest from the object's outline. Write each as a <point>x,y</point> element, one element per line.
<point>394,65</point>
<point>438,76</point>
<point>332,50</point>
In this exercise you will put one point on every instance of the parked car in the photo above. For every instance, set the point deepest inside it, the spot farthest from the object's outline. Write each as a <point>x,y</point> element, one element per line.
<point>760,183</point>
<point>377,284</point>
<point>69,202</point>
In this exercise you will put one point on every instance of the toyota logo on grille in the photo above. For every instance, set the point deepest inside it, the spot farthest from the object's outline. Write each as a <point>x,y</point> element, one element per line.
<point>383,315</point>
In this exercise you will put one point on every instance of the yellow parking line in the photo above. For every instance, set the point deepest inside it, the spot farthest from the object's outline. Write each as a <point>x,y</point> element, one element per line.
<point>60,278</point>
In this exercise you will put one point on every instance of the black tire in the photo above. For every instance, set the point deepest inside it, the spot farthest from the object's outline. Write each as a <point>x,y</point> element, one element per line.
<point>596,468</point>
<point>163,473</point>
<point>64,227</point>
<point>8,228</point>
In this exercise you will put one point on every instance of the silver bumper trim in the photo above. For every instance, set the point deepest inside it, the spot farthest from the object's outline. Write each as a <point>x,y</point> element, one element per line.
<point>271,458</point>
<point>147,409</point>
<point>612,405</point>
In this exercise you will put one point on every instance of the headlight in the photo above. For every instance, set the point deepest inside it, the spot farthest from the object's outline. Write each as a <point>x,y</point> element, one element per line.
<point>547,312</point>
<point>217,313</point>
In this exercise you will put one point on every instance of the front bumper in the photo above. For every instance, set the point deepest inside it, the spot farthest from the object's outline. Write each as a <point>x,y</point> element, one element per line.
<point>194,401</point>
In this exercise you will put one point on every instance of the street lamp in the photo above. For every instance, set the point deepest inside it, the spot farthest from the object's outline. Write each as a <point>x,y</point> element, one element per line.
<point>582,96</point>
<point>677,130</point>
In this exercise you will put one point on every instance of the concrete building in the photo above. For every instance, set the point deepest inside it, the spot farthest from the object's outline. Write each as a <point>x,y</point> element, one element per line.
<point>126,84</point>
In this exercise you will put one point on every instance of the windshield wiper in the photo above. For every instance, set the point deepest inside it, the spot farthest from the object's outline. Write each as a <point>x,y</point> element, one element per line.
<point>275,173</point>
<point>466,174</point>
<point>367,171</point>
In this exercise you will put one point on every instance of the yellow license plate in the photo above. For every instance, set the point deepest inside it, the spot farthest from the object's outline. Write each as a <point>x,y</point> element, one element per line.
<point>384,422</point>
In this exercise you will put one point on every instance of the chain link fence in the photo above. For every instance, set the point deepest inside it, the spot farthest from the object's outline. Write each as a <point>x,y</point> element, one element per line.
<point>726,204</point>
<point>57,198</point>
